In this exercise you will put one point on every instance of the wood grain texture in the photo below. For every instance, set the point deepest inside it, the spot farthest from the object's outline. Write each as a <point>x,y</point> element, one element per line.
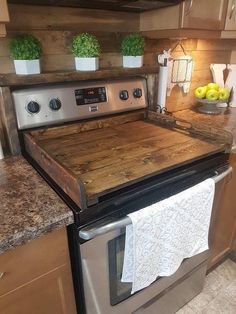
<point>55,27</point>
<point>28,18</point>
<point>70,76</point>
<point>9,126</point>
<point>114,155</point>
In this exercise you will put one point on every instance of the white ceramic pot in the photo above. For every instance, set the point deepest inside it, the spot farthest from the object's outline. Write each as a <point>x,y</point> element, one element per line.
<point>25,67</point>
<point>86,64</point>
<point>132,62</point>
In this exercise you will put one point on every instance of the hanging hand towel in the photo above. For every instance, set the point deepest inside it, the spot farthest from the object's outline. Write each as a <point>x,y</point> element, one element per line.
<point>165,233</point>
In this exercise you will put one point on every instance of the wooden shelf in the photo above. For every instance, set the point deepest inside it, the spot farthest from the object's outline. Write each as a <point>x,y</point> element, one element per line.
<point>60,77</point>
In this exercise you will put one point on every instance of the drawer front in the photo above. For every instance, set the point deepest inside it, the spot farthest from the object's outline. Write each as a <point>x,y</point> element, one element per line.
<point>29,261</point>
<point>48,294</point>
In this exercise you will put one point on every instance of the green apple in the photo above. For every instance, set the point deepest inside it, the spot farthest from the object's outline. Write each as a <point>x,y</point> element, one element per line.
<point>212,94</point>
<point>224,93</point>
<point>200,92</point>
<point>212,86</point>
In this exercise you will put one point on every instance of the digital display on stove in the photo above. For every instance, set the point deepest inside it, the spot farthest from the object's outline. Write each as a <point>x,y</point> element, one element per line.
<point>87,96</point>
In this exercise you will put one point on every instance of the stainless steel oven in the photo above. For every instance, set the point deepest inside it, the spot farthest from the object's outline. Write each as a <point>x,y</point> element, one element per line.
<point>65,137</point>
<point>102,261</point>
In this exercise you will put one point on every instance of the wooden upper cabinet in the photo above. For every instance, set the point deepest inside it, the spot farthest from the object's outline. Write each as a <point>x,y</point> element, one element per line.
<point>191,18</point>
<point>230,21</point>
<point>202,14</point>
<point>4,15</point>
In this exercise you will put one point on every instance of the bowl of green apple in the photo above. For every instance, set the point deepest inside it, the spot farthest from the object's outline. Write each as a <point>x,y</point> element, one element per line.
<point>211,96</point>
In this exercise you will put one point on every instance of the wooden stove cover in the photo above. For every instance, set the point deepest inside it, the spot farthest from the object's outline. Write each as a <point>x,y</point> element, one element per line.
<point>101,156</point>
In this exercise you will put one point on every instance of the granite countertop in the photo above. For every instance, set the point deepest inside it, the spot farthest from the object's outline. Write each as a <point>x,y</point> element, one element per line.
<point>29,207</point>
<point>226,120</point>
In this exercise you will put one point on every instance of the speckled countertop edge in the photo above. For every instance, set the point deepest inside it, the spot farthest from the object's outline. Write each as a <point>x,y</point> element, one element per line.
<point>28,205</point>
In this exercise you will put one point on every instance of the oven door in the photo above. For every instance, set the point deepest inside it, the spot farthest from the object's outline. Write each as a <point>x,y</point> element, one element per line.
<point>102,261</point>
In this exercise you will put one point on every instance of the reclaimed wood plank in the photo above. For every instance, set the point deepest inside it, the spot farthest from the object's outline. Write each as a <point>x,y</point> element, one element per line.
<point>100,123</point>
<point>9,125</point>
<point>70,76</point>
<point>104,156</point>
<point>109,178</point>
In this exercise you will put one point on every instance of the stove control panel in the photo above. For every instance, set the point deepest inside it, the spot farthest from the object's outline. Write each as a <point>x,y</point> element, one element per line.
<point>48,105</point>
<point>93,95</point>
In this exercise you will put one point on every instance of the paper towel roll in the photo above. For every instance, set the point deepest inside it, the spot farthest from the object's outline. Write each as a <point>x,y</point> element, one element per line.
<point>1,151</point>
<point>162,86</point>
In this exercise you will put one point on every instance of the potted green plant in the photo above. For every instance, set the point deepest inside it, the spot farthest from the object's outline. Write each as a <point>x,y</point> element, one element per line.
<point>86,49</point>
<point>132,48</point>
<point>26,51</point>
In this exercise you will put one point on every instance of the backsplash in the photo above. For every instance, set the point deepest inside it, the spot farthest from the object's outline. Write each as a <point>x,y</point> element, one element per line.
<point>204,53</point>
<point>58,26</point>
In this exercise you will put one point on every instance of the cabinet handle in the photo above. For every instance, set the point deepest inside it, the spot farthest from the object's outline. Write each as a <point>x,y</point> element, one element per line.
<point>232,10</point>
<point>1,274</point>
<point>190,7</point>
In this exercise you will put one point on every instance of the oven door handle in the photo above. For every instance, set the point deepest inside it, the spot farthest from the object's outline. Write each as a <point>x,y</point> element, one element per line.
<point>108,224</point>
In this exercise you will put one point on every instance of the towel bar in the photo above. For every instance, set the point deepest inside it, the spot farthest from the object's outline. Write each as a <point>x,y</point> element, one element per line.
<point>108,225</point>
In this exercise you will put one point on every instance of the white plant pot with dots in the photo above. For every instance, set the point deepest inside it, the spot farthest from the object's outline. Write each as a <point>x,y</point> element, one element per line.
<point>132,61</point>
<point>27,67</point>
<point>86,64</point>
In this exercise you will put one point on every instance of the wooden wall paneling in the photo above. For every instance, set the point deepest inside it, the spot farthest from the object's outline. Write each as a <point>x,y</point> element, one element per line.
<point>152,87</point>
<point>9,120</point>
<point>28,18</point>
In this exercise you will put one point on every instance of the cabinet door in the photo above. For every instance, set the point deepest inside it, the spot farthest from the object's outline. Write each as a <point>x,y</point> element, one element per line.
<point>223,218</point>
<point>49,294</point>
<point>202,14</point>
<point>4,16</point>
<point>230,21</point>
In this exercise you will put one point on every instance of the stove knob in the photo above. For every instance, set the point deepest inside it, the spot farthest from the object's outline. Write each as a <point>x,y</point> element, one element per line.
<point>137,93</point>
<point>33,107</point>
<point>55,104</point>
<point>124,95</point>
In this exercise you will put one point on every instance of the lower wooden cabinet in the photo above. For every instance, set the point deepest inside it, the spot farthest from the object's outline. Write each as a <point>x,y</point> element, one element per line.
<point>36,277</point>
<point>223,218</point>
<point>48,294</point>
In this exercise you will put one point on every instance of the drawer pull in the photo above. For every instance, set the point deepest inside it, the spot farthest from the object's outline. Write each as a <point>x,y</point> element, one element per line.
<point>2,274</point>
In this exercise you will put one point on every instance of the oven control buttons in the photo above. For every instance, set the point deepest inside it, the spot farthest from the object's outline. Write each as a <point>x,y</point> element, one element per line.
<point>55,104</point>
<point>137,93</point>
<point>33,107</point>
<point>124,95</point>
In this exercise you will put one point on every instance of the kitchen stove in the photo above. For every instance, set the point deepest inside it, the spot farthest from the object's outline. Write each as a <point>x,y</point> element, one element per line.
<point>106,155</point>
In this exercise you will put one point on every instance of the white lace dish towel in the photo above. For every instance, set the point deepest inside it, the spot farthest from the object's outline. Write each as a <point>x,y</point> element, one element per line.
<point>165,233</point>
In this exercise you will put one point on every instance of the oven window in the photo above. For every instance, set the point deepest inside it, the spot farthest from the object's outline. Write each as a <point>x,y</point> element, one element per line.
<point>119,291</point>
